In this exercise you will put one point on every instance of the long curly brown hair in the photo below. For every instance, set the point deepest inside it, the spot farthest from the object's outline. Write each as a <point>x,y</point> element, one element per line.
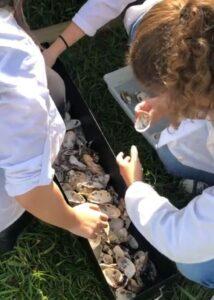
<point>173,51</point>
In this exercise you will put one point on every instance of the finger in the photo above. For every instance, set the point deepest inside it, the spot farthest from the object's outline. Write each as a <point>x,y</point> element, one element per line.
<point>103,217</point>
<point>94,207</point>
<point>119,158</point>
<point>134,153</point>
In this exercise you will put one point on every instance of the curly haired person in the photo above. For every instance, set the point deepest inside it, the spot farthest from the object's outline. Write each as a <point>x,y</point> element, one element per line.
<point>172,55</point>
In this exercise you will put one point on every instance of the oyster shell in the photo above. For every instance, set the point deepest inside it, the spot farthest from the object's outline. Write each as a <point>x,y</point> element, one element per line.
<point>132,242</point>
<point>69,140</point>
<point>111,211</point>
<point>122,294</point>
<point>114,277</point>
<point>86,188</point>
<point>74,198</point>
<point>76,164</point>
<point>106,259</point>
<point>102,179</point>
<point>141,96</point>
<point>100,197</point>
<point>116,224</point>
<point>95,169</point>
<point>96,246</point>
<point>126,266</point>
<point>118,252</point>
<point>76,177</point>
<point>72,124</point>
<point>133,286</point>
<point>122,235</point>
<point>143,122</point>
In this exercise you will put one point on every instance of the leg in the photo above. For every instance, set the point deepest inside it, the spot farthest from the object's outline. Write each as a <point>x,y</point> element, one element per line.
<point>9,236</point>
<point>202,273</point>
<point>57,89</point>
<point>174,167</point>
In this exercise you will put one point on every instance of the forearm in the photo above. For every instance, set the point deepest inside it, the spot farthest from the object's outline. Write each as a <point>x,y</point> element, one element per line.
<point>48,204</point>
<point>71,34</point>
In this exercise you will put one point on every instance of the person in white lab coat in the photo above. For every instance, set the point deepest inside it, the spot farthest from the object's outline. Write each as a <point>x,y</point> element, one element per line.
<point>32,132</point>
<point>91,17</point>
<point>172,55</point>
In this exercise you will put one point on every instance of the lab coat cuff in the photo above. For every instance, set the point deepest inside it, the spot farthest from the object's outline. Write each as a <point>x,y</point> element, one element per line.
<point>83,25</point>
<point>20,188</point>
<point>142,202</point>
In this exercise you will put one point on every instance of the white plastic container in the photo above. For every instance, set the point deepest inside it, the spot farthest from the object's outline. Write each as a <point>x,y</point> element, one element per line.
<point>123,80</point>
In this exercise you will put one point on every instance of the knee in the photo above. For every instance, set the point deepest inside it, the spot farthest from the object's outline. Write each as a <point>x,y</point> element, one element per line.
<point>57,89</point>
<point>198,273</point>
<point>170,164</point>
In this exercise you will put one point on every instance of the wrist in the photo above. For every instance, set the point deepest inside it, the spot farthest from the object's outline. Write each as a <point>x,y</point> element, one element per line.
<point>73,220</point>
<point>58,47</point>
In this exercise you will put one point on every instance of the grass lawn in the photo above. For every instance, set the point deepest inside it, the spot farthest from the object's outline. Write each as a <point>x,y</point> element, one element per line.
<point>46,263</point>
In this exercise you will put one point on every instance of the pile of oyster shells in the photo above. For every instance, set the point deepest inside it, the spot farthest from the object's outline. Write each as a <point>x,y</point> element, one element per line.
<point>82,178</point>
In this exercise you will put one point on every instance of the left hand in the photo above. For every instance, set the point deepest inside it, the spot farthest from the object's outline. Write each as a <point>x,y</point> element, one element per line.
<point>130,167</point>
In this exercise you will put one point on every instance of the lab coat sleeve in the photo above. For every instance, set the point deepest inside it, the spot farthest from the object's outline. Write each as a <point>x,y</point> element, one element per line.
<point>25,152</point>
<point>96,13</point>
<point>184,236</point>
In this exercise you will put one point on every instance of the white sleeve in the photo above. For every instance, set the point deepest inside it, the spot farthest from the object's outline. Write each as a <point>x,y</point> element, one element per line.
<point>25,154</point>
<point>96,13</point>
<point>184,236</point>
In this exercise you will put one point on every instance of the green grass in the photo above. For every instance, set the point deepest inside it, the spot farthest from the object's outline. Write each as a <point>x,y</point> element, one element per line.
<point>47,264</point>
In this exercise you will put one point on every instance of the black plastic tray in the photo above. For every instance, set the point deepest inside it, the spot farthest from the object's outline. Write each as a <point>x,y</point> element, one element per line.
<point>79,110</point>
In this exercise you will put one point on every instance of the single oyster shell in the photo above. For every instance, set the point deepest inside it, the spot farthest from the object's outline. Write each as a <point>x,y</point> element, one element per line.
<point>76,164</point>
<point>116,224</point>
<point>96,246</point>
<point>133,286</point>
<point>105,266</point>
<point>132,242</point>
<point>86,188</point>
<point>141,96</point>
<point>118,252</point>
<point>74,198</point>
<point>122,235</point>
<point>107,249</point>
<point>100,197</point>
<point>126,97</point>
<point>102,179</point>
<point>122,294</point>
<point>106,259</point>
<point>72,124</point>
<point>69,140</point>
<point>111,211</point>
<point>126,266</point>
<point>60,175</point>
<point>76,177</point>
<point>122,205</point>
<point>92,166</point>
<point>143,122</point>
<point>113,277</point>
<point>140,260</point>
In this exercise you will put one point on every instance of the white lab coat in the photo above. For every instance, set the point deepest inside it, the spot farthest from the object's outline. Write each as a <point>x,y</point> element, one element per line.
<point>187,235</point>
<point>31,128</point>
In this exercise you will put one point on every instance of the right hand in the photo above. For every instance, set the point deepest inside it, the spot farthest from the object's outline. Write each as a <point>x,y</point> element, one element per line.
<point>89,221</point>
<point>157,107</point>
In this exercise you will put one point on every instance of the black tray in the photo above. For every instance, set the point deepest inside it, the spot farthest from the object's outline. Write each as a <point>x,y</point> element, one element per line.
<point>167,273</point>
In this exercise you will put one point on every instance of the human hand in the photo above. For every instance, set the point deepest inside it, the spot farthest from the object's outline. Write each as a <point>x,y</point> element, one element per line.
<point>156,108</point>
<point>89,221</point>
<point>130,166</point>
<point>50,57</point>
